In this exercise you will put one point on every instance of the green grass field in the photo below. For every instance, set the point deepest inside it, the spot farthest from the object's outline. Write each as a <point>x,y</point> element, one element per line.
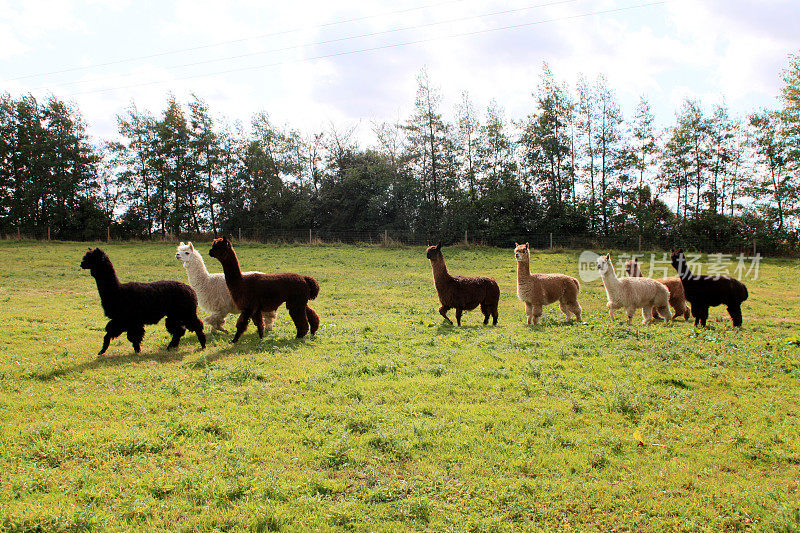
<point>388,420</point>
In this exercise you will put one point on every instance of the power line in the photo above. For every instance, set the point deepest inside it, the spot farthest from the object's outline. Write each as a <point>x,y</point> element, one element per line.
<point>336,40</point>
<point>384,47</point>
<point>233,41</point>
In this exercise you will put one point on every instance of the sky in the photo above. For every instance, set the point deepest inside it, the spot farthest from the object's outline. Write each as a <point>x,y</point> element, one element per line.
<point>311,64</point>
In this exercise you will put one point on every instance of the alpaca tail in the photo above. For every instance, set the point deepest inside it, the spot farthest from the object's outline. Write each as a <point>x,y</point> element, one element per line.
<point>577,285</point>
<point>313,287</point>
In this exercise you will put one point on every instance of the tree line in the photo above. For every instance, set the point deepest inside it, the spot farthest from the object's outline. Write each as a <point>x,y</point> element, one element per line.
<point>573,166</point>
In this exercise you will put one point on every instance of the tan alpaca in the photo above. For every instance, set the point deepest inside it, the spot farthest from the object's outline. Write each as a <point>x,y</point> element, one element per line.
<point>676,297</point>
<point>538,290</point>
<point>632,293</point>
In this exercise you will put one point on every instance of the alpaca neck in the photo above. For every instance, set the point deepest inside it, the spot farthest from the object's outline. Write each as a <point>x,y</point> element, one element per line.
<point>683,270</point>
<point>196,269</point>
<point>107,281</point>
<point>523,270</point>
<point>440,274</point>
<point>611,283</point>
<point>230,266</point>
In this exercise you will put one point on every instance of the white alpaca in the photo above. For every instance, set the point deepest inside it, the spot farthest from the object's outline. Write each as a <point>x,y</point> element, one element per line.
<point>212,292</point>
<point>633,293</point>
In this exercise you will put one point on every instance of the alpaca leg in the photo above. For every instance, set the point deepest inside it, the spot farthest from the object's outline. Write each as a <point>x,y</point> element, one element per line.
<point>564,309</point>
<point>647,314</point>
<point>298,315</point>
<point>529,312</point>
<point>241,324</point>
<point>631,311</point>
<point>313,320</point>
<point>537,313</point>
<point>485,311</point>
<point>735,310</point>
<point>196,325</point>
<point>135,335</point>
<point>216,321</point>
<point>269,319</point>
<point>610,310</point>
<point>258,320</point>
<point>665,313</point>
<point>176,329</point>
<point>654,313</point>
<point>113,330</point>
<point>495,314</point>
<point>700,315</point>
<point>576,309</point>
<point>443,311</point>
<point>458,315</point>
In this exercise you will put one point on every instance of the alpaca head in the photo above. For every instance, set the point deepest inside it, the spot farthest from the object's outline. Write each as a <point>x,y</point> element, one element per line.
<point>221,248</point>
<point>522,252</point>
<point>186,253</point>
<point>94,259</point>
<point>678,261</point>
<point>632,268</point>
<point>604,263</point>
<point>434,252</point>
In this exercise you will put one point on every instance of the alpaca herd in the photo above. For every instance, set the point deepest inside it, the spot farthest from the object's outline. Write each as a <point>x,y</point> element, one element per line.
<point>257,296</point>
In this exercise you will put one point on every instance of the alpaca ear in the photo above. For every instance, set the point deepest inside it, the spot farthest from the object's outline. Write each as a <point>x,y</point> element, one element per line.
<point>181,244</point>
<point>439,246</point>
<point>527,246</point>
<point>635,260</point>
<point>191,246</point>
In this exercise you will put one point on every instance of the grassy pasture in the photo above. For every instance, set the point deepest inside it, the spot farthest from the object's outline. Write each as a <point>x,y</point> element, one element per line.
<point>387,419</point>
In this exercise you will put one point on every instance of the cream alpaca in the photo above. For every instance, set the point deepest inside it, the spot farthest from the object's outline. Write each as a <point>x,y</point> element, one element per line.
<point>676,297</point>
<point>538,290</point>
<point>212,292</point>
<point>632,293</point>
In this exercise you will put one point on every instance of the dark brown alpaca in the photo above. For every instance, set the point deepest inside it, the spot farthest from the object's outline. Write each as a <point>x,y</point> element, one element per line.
<point>462,293</point>
<point>256,293</point>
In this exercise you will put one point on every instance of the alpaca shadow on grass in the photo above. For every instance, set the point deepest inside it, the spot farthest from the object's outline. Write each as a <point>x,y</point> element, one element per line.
<point>108,361</point>
<point>250,344</point>
<point>446,327</point>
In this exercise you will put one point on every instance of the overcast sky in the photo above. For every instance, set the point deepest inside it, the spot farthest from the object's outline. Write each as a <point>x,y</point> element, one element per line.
<point>309,63</point>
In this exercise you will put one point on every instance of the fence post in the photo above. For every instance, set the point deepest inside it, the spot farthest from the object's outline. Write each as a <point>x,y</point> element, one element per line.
<point>48,234</point>
<point>551,240</point>
<point>754,247</point>
<point>108,234</point>
<point>466,241</point>
<point>19,234</point>
<point>640,242</point>
<point>386,237</point>
<point>309,235</point>
<point>240,234</point>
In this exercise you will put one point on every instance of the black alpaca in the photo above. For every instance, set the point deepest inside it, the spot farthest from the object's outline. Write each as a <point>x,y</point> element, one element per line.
<point>708,291</point>
<point>132,305</point>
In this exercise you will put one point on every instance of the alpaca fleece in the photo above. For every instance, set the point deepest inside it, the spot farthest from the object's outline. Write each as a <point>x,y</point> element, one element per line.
<point>132,305</point>
<point>538,290</point>
<point>633,293</point>
<point>462,293</point>
<point>212,291</point>
<point>709,291</point>
<point>676,297</point>
<point>256,293</point>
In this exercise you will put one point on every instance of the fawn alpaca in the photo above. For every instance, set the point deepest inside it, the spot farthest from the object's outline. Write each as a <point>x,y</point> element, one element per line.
<point>462,293</point>
<point>132,305</point>
<point>256,293</point>
<point>212,291</point>
<point>676,297</point>
<point>709,291</point>
<point>538,290</point>
<point>633,293</point>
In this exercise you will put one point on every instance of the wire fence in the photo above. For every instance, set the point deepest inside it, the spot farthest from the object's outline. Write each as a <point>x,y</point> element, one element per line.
<point>387,237</point>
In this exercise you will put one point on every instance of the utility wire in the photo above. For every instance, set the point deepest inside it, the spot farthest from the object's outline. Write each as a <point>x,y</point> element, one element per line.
<point>331,41</point>
<point>234,41</point>
<point>384,47</point>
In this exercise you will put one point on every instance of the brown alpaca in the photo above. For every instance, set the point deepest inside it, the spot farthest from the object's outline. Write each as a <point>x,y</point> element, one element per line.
<point>462,293</point>
<point>676,297</point>
<point>256,293</point>
<point>538,290</point>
